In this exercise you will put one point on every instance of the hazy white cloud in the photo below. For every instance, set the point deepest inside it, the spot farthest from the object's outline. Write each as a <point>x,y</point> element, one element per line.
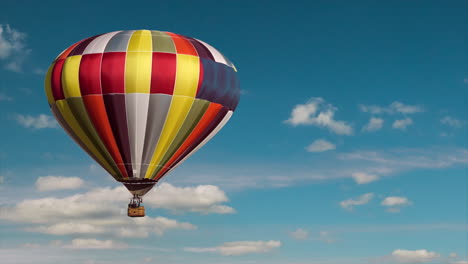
<point>239,248</point>
<point>373,125</point>
<point>399,159</point>
<point>103,211</point>
<point>299,234</point>
<point>317,112</point>
<point>36,122</point>
<point>453,122</point>
<point>461,262</point>
<point>94,212</point>
<point>52,183</point>
<point>91,243</point>
<point>4,97</point>
<point>326,237</point>
<point>393,108</point>
<point>13,51</point>
<point>68,228</point>
<point>201,199</point>
<point>402,123</point>
<point>320,145</point>
<point>414,256</point>
<point>2,179</point>
<point>394,203</point>
<point>349,204</point>
<point>364,178</point>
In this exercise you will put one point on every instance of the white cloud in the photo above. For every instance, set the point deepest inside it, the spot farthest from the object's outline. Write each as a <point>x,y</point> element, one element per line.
<point>364,178</point>
<point>39,122</point>
<point>373,125</point>
<point>239,248</point>
<point>103,211</point>
<point>393,108</point>
<point>326,237</point>
<point>361,200</point>
<point>402,123</point>
<point>320,145</point>
<point>317,112</point>
<point>13,49</point>
<point>201,199</point>
<point>299,234</point>
<point>97,211</point>
<point>461,262</point>
<point>414,256</point>
<point>395,203</point>
<point>91,243</point>
<point>51,183</point>
<point>68,228</point>
<point>4,97</point>
<point>453,122</point>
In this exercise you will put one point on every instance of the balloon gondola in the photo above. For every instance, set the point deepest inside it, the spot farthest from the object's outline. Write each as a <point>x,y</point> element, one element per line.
<point>140,102</point>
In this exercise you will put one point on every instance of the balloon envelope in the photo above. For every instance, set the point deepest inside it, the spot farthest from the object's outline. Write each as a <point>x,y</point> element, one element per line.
<point>140,102</point>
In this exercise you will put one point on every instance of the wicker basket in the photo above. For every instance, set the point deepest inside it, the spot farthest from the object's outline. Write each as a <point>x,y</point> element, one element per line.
<point>136,212</point>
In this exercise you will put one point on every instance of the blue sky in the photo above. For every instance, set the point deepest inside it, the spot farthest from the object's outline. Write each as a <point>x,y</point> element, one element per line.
<point>349,144</point>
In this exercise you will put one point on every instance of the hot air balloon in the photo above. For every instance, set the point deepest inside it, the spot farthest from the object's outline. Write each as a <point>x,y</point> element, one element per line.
<point>140,102</point>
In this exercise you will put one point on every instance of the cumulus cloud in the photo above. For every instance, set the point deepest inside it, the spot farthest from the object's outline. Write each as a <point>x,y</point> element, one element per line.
<point>402,123</point>
<point>364,178</point>
<point>91,243</point>
<point>414,256</point>
<point>36,122</point>
<point>239,248</point>
<point>299,234</point>
<point>349,204</point>
<point>52,183</point>
<point>320,145</point>
<point>373,125</point>
<point>201,199</point>
<point>395,203</point>
<point>393,108</point>
<point>453,122</point>
<point>100,211</point>
<point>13,49</point>
<point>318,113</point>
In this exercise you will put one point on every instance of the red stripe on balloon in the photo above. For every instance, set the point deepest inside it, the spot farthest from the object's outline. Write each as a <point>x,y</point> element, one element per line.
<point>90,74</point>
<point>210,114</point>
<point>56,80</point>
<point>183,45</point>
<point>200,78</point>
<point>113,72</point>
<point>163,73</point>
<point>98,115</point>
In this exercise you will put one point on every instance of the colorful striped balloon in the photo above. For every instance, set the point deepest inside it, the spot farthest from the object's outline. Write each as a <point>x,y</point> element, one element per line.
<point>140,102</point>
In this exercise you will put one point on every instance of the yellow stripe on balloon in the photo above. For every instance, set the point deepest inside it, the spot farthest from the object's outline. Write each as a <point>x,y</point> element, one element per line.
<point>141,40</point>
<point>180,106</point>
<point>48,85</point>
<point>138,62</point>
<point>71,77</point>
<point>66,112</point>
<point>187,75</point>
